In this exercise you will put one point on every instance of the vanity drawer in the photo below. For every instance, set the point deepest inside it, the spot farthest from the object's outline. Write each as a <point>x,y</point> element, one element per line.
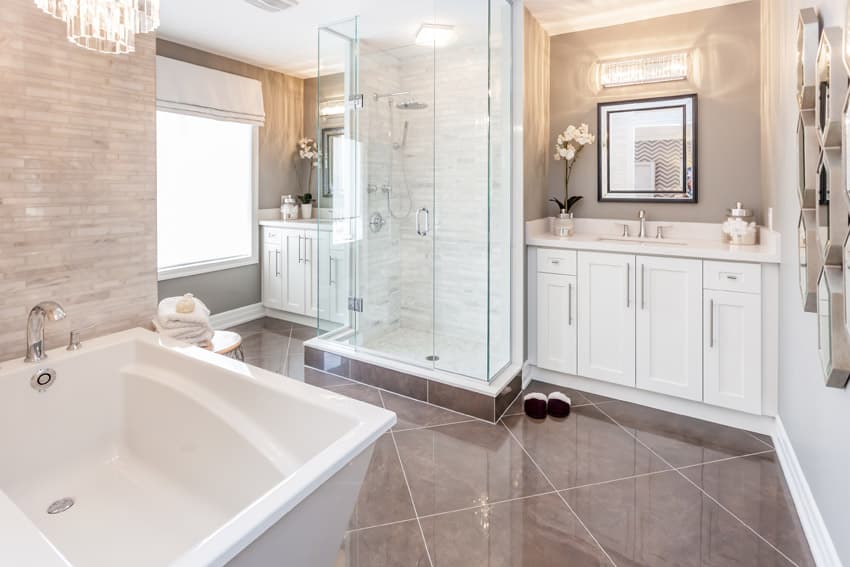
<point>552,261</point>
<point>732,276</point>
<point>271,235</point>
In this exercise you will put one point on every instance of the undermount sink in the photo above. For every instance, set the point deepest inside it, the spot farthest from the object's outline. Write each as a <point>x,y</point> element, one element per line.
<point>648,241</point>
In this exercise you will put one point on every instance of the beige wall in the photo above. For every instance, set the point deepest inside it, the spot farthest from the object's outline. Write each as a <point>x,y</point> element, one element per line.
<point>536,152</point>
<point>77,181</point>
<point>283,97</point>
<point>724,44</point>
<point>817,427</point>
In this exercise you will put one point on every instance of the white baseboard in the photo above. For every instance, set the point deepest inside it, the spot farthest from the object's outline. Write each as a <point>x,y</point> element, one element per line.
<point>305,320</point>
<point>227,319</point>
<point>820,542</point>
<point>732,418</point>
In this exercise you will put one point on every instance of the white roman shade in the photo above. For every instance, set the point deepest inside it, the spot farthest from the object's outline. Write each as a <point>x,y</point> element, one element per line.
<point>200,91</point>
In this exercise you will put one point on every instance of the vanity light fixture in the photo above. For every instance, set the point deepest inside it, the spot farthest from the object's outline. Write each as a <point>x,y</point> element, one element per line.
<point>105,26</point>
<point>333,107</point>
<point>435,35</point>
<point>642,70</point>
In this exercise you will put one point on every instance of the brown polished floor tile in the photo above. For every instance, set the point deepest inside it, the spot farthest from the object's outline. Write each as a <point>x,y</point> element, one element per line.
<point>412,413</point>
<point>663,520</point>
<point>754,489</point>
<point>266,350</point>
<point>396,545</point>
<point>360,392</point>
<point>294,366</point>
<point>585,448</point>
<point>682,440</point>
<point>466,464</point>
<point>384,497</point>
<point>323,379</point>
<point>532,532</point>
<point>578,398</point>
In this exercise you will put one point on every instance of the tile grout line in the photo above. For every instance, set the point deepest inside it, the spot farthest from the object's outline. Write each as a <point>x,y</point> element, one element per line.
<point>762,441</point>
<point>409,491</point>
<point>434,426</point>
<point>567,504</point>
<point>284,368</point>
<point>715,461</point>
<point>695,485</point>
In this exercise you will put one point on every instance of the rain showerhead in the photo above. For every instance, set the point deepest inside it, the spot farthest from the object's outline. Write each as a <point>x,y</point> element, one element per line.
<point>411,104</point>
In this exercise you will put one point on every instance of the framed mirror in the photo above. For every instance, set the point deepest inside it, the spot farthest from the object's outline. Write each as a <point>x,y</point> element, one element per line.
<point>648,150</point>
<point>332,139</point>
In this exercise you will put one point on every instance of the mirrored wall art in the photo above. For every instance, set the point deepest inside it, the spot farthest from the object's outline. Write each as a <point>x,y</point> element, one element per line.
<point>809,261</point>
<point>807,159</point>
<point>648,150</point>
<point>831,88</point>
<point>808,35</point>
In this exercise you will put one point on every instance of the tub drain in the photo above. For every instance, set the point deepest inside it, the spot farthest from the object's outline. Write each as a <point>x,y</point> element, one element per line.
<point>432,358</point>
<point>60,506</point>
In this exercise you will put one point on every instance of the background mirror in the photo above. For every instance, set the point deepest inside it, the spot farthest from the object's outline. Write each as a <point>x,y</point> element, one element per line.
<point>332,140</point>
<point>648,150</point>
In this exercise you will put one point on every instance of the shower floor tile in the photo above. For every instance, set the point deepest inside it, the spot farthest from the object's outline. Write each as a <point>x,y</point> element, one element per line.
<point>613,484</point>
<point>459,356</point>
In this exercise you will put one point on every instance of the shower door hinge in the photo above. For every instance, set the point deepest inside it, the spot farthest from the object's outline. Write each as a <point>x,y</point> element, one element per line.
<point>355,304</point>
<point>355,102</point>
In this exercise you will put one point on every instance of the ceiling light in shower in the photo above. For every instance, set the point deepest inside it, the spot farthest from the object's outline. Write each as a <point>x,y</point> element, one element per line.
<point>641,70</point>
<point>435,35</point>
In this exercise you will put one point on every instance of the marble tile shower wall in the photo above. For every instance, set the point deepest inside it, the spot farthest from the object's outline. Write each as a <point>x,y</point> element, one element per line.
<point>77,181</point>
<point>380,282</point>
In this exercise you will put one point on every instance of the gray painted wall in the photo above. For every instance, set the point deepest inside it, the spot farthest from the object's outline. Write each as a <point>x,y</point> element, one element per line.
<point>283,98</point>
<point>816,418</point>
<point>725,45</point>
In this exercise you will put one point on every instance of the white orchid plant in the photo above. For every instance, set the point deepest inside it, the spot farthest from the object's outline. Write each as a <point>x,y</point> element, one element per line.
<point>308,150</point>
<point>569,145</point>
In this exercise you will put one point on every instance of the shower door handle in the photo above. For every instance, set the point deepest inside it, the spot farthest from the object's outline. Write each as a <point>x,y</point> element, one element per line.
<point>427,229</point>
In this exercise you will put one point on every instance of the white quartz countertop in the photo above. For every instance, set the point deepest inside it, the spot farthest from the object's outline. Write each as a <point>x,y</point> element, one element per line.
<point>299,224</point>
<point>681,240</point>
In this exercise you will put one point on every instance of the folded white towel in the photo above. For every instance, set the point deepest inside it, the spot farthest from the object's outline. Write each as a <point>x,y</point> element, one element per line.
<point>169,318</point>
<point>198,335</point>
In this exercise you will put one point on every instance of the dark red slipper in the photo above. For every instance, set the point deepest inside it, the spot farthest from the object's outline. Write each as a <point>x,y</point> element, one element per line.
<point>558,405</point>
<point>535,405</point>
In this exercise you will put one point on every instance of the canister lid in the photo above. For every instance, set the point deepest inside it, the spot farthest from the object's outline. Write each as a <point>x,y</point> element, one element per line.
<point>739,211</point>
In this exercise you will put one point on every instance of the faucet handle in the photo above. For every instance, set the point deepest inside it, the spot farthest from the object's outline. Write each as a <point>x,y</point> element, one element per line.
<point>74,341</point>
<point>659,230</point>
<point>625,226</point>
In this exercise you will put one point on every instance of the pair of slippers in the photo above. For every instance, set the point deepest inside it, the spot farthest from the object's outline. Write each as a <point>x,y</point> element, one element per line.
<point>538,406</point>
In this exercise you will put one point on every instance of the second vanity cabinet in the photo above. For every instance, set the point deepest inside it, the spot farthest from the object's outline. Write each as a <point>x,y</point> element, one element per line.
<point>677,326</point>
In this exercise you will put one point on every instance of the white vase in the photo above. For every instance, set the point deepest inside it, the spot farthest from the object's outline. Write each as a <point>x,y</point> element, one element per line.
<point>307,210</point>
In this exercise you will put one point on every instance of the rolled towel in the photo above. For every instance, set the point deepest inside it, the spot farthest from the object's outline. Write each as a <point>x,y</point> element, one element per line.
<point>558,405</point>
<point>535,405</point>
<point>169,318</point>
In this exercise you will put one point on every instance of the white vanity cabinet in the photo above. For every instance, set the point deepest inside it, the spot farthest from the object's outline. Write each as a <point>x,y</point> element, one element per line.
<point>272,269</point>
<point>606,317</point>
<point>557,322</point>
<point>297,280</point>
<point>732,320</point>
<point>669,326</point>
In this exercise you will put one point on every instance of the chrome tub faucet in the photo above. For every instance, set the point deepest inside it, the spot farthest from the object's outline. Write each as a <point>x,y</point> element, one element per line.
<point>35,328</point>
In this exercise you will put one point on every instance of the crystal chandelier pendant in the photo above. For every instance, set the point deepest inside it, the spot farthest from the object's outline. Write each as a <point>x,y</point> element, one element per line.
<point>105,26</point>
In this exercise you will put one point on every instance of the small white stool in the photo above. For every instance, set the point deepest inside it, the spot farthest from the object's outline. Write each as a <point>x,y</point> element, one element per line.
<point>228,344</point>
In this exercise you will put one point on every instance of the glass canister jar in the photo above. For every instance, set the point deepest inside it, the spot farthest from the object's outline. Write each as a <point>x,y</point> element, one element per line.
<point>288,208</point>
<point>740,227</point>
<point>563,225</point>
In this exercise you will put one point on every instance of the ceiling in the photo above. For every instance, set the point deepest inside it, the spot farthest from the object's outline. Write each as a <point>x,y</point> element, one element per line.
<point>560,16</point>
<point>286,41</point>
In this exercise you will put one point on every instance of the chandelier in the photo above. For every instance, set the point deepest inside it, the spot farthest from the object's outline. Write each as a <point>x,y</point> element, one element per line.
<point>106,26</point>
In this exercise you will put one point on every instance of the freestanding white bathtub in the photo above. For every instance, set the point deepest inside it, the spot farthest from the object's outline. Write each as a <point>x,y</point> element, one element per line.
<point>175,456</point>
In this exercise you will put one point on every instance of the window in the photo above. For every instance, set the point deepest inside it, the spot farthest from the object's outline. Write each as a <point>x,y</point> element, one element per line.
<point>206,194</point>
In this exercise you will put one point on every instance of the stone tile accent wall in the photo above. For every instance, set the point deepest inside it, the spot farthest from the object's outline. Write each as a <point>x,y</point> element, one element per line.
<point>77,180</point>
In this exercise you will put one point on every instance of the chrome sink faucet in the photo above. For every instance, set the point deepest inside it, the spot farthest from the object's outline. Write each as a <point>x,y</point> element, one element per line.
<point>35,328</point>
<point>642,218</point>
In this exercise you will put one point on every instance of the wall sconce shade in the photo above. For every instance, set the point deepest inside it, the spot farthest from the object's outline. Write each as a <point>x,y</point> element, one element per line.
<point>642,70</point>
<point>435,35</point>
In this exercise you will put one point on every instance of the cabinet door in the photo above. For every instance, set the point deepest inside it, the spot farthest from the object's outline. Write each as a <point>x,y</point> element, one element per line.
<point>338,279</point>
<point>732,343</point>
<point>556,322</point>
<point>669,326</point>
<point>606,317</point>
<point>272,275</point>
<point>294,295</point>
<point>311,275</point>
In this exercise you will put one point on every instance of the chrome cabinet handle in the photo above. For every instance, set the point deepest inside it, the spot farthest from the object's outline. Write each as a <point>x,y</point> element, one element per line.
<point>555,262</point>
<point>331,265</point>
<point>711,324</point>
<point>277,263</point>
<point>628,285</point>
<point>306,249</point>
<point>299,248</point>
<point>642,287</point>
<point>570,304</point>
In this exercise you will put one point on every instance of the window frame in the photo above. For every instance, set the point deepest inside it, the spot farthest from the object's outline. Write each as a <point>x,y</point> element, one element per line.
<point>198,268</point>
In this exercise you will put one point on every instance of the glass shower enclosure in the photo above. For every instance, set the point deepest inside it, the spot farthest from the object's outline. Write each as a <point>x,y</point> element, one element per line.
<point>415,174</point>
